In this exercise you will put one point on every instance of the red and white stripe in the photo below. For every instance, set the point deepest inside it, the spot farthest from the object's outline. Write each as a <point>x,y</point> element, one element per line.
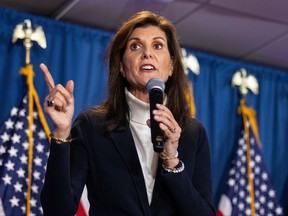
<point>84,204</point>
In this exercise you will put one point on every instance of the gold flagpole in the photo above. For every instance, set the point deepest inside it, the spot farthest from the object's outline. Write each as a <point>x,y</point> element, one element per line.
<point>244,83</point>
<point>24,31</point>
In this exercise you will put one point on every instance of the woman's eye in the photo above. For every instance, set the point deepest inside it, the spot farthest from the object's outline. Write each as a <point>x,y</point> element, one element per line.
<point>158,46</point>
<point>134,47</point>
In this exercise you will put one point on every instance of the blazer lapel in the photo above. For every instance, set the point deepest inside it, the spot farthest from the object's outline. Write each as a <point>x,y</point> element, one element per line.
<point>124,142</point>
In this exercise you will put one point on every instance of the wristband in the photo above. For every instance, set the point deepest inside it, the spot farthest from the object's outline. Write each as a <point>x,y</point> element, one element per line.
<point>60,139</point>
<point>163,157</point>
<point>176,169</point>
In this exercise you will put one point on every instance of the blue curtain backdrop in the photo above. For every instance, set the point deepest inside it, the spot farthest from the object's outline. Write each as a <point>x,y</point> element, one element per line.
<point>75,52</point>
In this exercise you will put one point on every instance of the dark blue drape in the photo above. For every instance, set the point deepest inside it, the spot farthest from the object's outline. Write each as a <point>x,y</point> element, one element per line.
<point>216,106</point>
<point>77,53</point>
<point>72,52</point>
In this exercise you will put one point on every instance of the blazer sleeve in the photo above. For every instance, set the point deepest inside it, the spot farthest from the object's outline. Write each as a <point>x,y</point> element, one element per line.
<point>192,189</point>
<point>63,186</point>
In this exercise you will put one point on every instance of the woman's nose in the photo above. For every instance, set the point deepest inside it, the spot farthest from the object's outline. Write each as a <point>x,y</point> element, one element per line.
<point>146,54</point>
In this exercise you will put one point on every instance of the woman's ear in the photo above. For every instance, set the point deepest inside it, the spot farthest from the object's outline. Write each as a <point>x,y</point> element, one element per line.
<point>121,69</point>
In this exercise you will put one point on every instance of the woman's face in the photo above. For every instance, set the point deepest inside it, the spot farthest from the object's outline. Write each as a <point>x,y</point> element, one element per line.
<point>146,56</point>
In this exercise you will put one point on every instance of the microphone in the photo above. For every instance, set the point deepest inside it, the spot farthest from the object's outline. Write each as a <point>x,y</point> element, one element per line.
<point>155,87</point>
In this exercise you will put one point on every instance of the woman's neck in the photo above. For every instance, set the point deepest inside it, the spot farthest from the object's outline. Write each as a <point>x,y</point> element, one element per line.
<point>141,95</point>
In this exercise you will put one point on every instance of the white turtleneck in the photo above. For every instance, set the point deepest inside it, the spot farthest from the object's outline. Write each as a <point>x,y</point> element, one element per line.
<point>139,114</point>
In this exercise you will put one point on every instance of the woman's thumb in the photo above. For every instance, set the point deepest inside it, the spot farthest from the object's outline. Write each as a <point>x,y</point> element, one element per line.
<point>70,86</point>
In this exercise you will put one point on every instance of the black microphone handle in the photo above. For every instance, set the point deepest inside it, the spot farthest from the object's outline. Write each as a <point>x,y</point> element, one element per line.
<point>157,137</point>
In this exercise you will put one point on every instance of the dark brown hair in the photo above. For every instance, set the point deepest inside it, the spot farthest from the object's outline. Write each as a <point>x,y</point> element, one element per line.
<point>115,107</point>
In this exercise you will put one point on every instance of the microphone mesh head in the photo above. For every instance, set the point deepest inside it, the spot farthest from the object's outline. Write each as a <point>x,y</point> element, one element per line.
<point>155,83</point>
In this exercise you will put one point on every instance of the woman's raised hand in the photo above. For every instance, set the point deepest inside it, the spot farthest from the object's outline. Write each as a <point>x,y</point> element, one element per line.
<point>59,104</point>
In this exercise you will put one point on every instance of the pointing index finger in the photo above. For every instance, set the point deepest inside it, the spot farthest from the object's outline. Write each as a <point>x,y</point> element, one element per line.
<point>48,77</point>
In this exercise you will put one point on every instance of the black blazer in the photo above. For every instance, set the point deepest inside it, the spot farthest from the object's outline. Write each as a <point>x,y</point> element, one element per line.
<point>109,166</point>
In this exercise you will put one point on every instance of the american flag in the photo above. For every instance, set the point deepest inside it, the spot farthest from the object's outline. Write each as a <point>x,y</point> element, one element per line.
<point>243,196</point>
<point>14,162</point>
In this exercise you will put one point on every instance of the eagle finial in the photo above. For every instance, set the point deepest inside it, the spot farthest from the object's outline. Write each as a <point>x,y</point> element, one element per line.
<point>190,62</point>
<point>245,82</point>
<point>24,31</point>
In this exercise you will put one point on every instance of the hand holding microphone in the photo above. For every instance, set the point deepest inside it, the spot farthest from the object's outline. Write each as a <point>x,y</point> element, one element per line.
<point>165,132</point>
<point>155,88</point>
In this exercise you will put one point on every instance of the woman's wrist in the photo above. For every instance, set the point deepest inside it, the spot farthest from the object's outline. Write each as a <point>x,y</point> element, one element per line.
<point>171,163</point>
<point>61,134</point>
<point>164,156</point>
<point>169,159</point>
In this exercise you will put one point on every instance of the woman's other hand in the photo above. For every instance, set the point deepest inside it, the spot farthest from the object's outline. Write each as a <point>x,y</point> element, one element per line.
<point>59,104</point>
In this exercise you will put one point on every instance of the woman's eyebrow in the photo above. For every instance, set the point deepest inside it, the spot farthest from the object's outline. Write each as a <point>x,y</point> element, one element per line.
<point>138,39</point>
